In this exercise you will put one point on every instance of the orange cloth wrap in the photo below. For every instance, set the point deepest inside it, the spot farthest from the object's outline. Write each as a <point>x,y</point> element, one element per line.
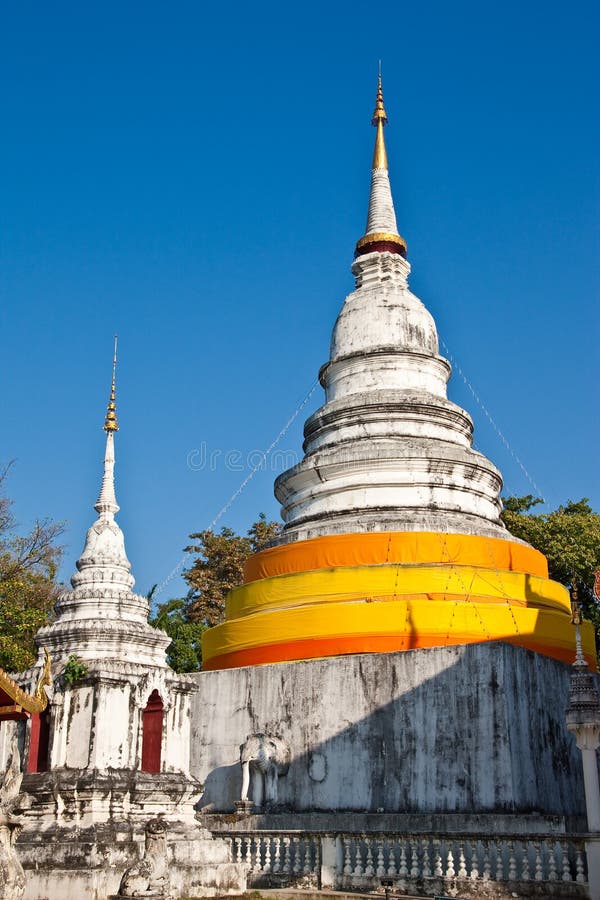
<point>393,581</point>
<point>329,630</point>
<point>390,591</point>
<point>395,547</point>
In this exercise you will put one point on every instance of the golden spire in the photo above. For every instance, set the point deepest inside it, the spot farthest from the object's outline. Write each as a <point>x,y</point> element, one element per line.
<point>379,120</point>
<point>110,423</point>
<point>382,230</point>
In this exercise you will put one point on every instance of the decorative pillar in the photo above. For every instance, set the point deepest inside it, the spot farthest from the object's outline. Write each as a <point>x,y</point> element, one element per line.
<point>583,720</point>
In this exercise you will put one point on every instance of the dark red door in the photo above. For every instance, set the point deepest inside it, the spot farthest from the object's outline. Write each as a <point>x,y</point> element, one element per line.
<point>39,742</point>
<point>152,726</point>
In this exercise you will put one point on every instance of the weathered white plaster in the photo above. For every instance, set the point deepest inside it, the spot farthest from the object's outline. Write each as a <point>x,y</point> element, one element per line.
<point>462,730</point>
<point>381,216</point>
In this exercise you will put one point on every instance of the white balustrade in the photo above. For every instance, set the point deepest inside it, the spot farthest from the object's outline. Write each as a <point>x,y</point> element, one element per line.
<point>413,861</point>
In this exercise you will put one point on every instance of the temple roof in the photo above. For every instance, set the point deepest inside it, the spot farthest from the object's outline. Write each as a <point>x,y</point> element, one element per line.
<point>15,703</point>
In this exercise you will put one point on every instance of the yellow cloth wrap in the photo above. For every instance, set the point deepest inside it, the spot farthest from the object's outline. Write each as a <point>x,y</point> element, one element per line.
<point>432,583</point>
<point>395,547</point>
<point>336,628</point>
<point>389,591</point>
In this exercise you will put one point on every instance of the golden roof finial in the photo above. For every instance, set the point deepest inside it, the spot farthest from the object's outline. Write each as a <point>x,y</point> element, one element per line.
<point>379,120</point>
<point>576,617</point>
<point>110,423</point>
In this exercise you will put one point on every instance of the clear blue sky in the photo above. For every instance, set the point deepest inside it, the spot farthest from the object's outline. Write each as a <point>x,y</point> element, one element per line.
<point>194,177</point>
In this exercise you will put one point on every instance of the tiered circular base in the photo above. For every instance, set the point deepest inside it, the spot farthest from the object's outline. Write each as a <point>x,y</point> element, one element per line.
<point>390,591</point>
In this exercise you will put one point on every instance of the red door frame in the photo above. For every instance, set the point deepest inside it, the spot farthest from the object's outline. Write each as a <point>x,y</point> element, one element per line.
<point>152,729</point>
<point>39,742</point>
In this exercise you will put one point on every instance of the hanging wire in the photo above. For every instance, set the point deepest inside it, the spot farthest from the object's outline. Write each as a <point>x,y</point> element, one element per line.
<point>239,490</point>
<point>490,419</point>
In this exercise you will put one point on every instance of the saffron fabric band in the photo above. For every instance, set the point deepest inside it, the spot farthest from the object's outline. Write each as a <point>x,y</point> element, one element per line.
<point>385,582</point>
<point>395,547</point>
<point>389,591</point>
<point>310,632</point>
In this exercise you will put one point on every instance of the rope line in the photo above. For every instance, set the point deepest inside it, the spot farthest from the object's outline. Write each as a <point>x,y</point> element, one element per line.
<point>240,489</point>
<point>490,419</point>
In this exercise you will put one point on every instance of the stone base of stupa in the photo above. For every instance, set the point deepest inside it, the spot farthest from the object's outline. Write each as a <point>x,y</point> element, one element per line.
<point>83,829</point>
<point>462,730</point>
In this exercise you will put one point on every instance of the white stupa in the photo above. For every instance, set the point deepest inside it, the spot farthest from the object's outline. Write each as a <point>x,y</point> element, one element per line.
<point>101,618</point>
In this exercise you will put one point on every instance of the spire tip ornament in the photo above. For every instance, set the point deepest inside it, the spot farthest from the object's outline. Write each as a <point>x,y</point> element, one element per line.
<point>110,423</point>
<point>379,120</point>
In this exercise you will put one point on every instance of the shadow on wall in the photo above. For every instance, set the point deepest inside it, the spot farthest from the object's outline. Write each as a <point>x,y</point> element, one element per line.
<point>466,729</point>
<point>222,787</point>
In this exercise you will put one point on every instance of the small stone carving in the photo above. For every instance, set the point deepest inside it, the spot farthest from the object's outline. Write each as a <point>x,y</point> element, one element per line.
<point>12,877</point>
<point>317,767</point>
<point>265,758</point>
<point>150,876</point>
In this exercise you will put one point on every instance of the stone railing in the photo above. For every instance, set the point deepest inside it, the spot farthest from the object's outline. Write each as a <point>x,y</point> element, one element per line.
<point>464,865</point>
<point>292,856</point>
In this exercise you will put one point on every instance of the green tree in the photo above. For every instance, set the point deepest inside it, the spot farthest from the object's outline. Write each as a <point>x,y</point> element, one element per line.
<point>185,651</point>
<point>219,567</point>
<point>28,587</point>
<point>569,537</point>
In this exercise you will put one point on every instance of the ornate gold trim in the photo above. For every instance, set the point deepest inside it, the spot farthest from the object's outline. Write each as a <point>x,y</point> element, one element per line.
<point>39,701</point>
<point>110,423</point>
<point>377,236</point>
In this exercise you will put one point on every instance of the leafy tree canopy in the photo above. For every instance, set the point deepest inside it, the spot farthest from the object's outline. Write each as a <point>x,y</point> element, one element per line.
<point>185,652</point>
<point>219,567</point>
<point>28,587</point>
<point>569,537</point>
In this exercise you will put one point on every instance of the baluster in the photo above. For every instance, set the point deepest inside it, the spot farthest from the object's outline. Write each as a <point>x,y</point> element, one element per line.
<point>238,850</point>
<point>579,867</point>
<point>403,868</point>
<point>316,854</point>
<point>487,868</point>
<point>474,848</point>
<point>525,862</point>
<point>499,860</point>
<point>258,843</point>
<point>512,862</point>
<point>426,866</point>
<point>248,854</point>
<point>566,867</point>
<point>552,872</point>
<point>267,865</point>
<point>369,868</point>
<point>380,860</point>
<point>539,869</point>
<point>307,866</point>
<point>347,863</point>
<point>287,868</point>
<point>437,856</point>
<point>296,856</point>
<point>358,857</point>
<point>462,863</point>
<point>414,859</point>
<point>450,873</point>
<point>277,858</point>
<point>391,861</point>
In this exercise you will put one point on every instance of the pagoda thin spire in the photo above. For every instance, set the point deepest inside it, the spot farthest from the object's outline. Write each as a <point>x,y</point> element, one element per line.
<point>379,120</point>
<point>106,504</point>
<point>110,423</point>
<point>382,231</point>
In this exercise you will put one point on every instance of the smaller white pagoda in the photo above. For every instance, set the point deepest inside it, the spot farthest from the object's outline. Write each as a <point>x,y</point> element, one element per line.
<point>108,759</point>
